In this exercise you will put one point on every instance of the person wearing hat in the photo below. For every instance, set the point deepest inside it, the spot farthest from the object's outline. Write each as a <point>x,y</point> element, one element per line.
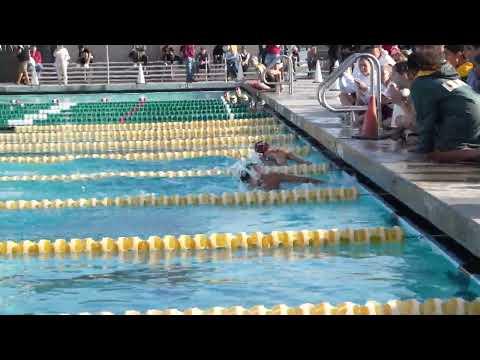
<point>447,109</point>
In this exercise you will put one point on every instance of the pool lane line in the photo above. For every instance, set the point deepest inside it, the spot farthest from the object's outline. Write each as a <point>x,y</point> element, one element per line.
<point>146,156</point>
<point>297,169</point>
<point>195,124</point>
<point>214,241</point>
<point>168,145</point>
<point>273,197</point>
<point>433,306</point>
<point>149,134</point>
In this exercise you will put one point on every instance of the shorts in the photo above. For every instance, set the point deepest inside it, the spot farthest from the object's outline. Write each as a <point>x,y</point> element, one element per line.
<point>23,66</point>
<point>272,59</point>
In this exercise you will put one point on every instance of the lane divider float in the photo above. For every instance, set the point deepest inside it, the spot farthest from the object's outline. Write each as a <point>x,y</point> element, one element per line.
<point>452,306</point>
<point>128,135</point>
<point>297,169</point>
<point>149,125</point>
<point>272,197</point>
<point>170,243</point>
<point>176,144</point>
<point>146,156</point>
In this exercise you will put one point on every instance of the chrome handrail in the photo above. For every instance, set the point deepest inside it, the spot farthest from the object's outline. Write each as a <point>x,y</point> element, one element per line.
<point>338,73</point>
<point>290,75</point>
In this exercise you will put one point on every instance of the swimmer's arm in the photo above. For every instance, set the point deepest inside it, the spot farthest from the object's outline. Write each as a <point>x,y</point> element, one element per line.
<point>298,179</point>
<point>299,160</point>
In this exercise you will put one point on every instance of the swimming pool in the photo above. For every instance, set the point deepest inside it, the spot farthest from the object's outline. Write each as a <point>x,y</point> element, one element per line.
<point>413,268</point>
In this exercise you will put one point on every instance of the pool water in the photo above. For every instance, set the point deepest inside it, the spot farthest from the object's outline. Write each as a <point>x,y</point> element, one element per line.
<point>73,284</point>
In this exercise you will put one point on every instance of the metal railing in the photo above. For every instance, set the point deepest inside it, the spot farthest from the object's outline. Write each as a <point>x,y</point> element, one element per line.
<point>375,86</point>
<point>290,75</point>
<point>127,72</point>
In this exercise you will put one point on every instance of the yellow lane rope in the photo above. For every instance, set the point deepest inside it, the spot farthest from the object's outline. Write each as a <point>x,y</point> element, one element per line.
<point>151,134</point>
<point>149,125</point>
<point>145,156</point>
<point>301,169</point>
<point>452,306</point>
<point>175,144</point>
<point>225,199</point>
<point>169,243</point>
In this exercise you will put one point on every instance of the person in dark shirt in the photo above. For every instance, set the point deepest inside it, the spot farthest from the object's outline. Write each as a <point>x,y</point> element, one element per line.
<point>85,56</point>
<point>203,59</point>
<point>334,54</point>
<point>218,54</point>
<point>447,109</point>
<point>23,56</point>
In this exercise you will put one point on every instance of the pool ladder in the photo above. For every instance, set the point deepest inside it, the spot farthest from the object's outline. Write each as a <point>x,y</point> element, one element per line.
<point>375,87</point>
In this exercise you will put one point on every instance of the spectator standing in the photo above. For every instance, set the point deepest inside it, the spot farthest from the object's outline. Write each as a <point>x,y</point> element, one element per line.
<point>23,56</point>
<point>189,61</point>
<point>334,55</point>
<point>273,54</point>
<point>37,57</point>
<point>382,55</point>
<point>456,57</point>
<point>397,54</point>
<point>262,53</point>
<point>164,56</point>
<point>295,57</point>
<point>62,57</point>
<point>312,57</point>
<point>471,51</point>
<point>244,59</point>
<point>218,54</point>
<point>233,61</point>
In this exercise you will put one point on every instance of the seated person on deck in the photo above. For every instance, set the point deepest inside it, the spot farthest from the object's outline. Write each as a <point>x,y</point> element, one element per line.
<point>254,177</point>
<point>447,109</point>
<point>276,157</point>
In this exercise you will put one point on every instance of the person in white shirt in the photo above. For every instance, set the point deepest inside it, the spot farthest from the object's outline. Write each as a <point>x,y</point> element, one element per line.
<point>355,85</point>
<point>61,63</point>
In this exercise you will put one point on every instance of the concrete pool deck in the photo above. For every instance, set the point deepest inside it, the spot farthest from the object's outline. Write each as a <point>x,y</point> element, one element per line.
<point>446,195</point>
<point>10,88</point>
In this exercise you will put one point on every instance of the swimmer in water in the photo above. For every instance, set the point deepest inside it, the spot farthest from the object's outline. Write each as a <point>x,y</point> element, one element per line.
<point>256,178</point>
<point>276,157</point>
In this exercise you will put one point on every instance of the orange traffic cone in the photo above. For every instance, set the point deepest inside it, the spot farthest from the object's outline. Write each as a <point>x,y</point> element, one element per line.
<point>370,123</point>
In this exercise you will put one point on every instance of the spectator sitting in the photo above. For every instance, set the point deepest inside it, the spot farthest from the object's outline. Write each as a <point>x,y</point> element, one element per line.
<point>456,57</point>
<point>85,56</point>
<point>397,54</point>
<point>312,57</point>
<point>203,59</point>
<point>403,74</point>
<point>165,53</point>
<point>381,54</point>
<point>23,56</point>
<point>470,51</point>
<point>138,54</point>
<point>218,54</point>
<point>355,87</point>
<point>447,109</point>
<point>37,57</point>
<point>474,76</point>
<point>244,59</point>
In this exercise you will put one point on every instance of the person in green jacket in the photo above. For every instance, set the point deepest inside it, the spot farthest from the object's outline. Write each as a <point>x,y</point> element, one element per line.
<point>447,109</point>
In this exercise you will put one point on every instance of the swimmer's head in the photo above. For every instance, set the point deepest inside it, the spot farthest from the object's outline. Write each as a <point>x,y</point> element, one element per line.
<point>261,147</point>
<point>249,175</point>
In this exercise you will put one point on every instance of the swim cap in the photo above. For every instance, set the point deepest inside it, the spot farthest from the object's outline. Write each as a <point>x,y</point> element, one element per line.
<point>261,147</point>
